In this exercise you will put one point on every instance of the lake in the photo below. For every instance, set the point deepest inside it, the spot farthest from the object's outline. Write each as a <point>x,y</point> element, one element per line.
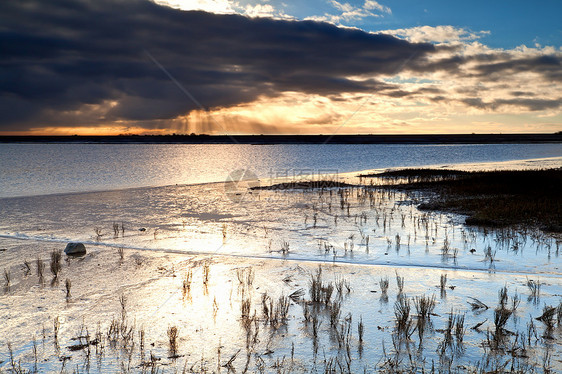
<point>39,169</point>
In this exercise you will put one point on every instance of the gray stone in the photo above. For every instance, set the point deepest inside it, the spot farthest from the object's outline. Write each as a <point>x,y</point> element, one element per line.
<point>75,249</point>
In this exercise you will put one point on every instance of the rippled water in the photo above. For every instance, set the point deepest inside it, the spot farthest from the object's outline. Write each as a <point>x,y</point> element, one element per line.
<point>38,169</point>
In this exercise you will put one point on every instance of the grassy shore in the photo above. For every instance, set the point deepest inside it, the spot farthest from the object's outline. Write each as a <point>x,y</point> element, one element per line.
<point>304,185</point>
<point>492,198</point>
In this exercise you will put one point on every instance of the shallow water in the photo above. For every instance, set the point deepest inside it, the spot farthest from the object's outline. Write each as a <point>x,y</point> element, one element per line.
<point>283,237</point>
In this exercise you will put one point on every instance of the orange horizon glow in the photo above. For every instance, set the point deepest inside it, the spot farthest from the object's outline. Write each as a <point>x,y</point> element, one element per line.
<point>86,131</point>
<point>111,131</point>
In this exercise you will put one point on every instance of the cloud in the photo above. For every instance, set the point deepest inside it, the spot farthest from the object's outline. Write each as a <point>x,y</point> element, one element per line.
<point>265,10</point>
<point>349,13</point>
<point>436,34</point>
<point>83,62</point>
<point>373,5</point>
<point>526,103</point>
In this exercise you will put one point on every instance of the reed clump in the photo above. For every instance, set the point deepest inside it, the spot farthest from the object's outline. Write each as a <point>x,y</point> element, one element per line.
<point>55,264</point>
<point>173,341</point>
<point>383,283</point>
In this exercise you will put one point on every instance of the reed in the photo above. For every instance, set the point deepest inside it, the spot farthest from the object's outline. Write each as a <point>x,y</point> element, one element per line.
<point>206,272</point>
<point>26,268</point>
<point>285,248</point>
<point>68,286</point>
<point>534,287</point>
<point>335,311</point>
<point>7,277</point>
<point>55,263</point>
<point>402,314</point>
<point>477,305</point>
<point>400,283</point>
<point>186,283</point>
<point>40,267</point>
<point>383,283</point>
<point>173,341</point>
<point>424,306</point>
<point>501,316</point>
<point>443,282</point>
<point>548,317</point>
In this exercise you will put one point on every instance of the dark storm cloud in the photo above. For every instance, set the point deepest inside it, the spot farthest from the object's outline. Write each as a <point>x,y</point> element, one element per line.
<point>528,104</point>
<point>492,66</point>
<point>548,65</point>
<point>62,56</point>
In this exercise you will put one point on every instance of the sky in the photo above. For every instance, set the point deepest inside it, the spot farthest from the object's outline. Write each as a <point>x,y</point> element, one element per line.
<point>108,67</point>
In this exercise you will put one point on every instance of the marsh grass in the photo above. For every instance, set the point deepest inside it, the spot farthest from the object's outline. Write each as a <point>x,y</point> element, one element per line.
<point>285,248</point>
<point>454,328</point>
<point>68,286</point>
<point>402,309</point>
<point>383,283</point>
<point>489,255</point>
<point>56,327</point>
<point>501,344</point>
<point>424,306</point>
<point>40,267</point>
<point>173,341</point>
<point>343,286</point>
<point>400,283</point>
<point>360,329</point>
<point>548,317</point>
<point>515,301</point>
<point>186,283</point>
<point>98,232</point>
<point>503,298</point>
<point>274,313</point>
<point>55,264</point>
<point>459,327</point>
<point>245,277</point>
<point>335,312</point>
<point>7,277</point>
<point>206,272</point>
<point>26,268</point>
<point>443,283</point>
<point>477,305</point>
<point>492,198</point>
<point>501,316</point>
<point>319,291</point>
<point>297,295</point>
<point>534,288</point>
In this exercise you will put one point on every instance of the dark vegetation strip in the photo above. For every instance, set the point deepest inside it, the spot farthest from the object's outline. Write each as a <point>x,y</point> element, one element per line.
<point>491,198</point>
<point>304,185</point>
<point>296,139</point>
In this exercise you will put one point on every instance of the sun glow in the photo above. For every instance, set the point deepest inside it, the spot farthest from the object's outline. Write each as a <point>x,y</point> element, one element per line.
<point>87,131</point>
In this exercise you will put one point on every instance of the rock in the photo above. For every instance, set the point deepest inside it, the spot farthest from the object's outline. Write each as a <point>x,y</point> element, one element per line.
<point>75,249</point>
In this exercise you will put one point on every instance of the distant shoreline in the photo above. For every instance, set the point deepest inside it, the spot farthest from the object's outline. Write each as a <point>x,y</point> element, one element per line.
<point>294,139</point>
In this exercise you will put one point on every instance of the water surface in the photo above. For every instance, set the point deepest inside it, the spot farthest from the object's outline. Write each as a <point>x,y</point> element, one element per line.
<point>39,169</point>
